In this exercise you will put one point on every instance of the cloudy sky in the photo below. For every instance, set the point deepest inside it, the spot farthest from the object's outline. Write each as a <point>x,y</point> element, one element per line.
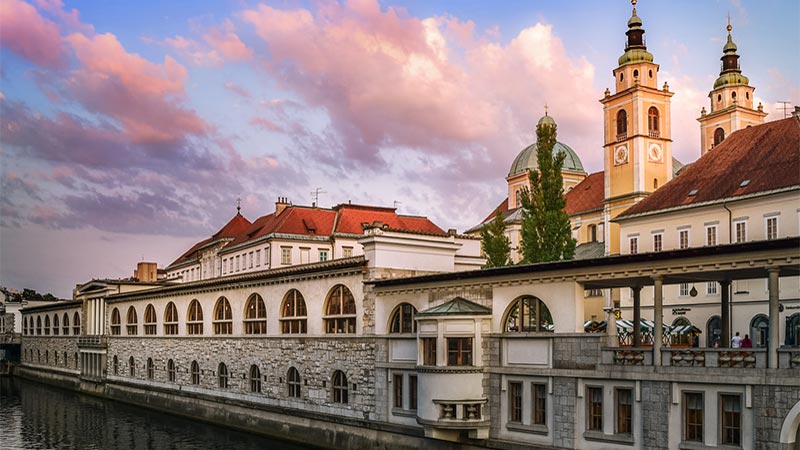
<point>128,129</point>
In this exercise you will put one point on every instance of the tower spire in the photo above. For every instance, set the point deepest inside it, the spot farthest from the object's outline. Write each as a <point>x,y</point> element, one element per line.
<point>238,204</point>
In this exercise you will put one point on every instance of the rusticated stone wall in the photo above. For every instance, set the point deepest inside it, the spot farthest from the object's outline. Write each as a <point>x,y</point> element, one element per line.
<point>51,351</point>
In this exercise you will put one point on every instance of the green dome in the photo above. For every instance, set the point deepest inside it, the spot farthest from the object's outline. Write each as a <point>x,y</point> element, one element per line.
<point>729,47</point>
<point>527,159</point>
<point>731,79</point>
<point>546,120</point>
<point>635,55</point>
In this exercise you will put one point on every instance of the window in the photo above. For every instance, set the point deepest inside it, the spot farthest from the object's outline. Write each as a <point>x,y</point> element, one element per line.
<point>398,391</point>
<point>412,392</point>
<point>711,235</point>
<point>131,322</point>
<point>293,383</point>
<point>428,351</point>
<point>250,265</point>
<point>339,387</point>
<point>171,319</point>
<point>171,371</point>
<point>683,290</point>
<point>223,317</point>
<point>759,330</point>
<point>658,240</point>
<point>347,252</point>
<point>592,231</point>
<point>711,288</point>
<point>772,227</point>
<point>230,269</point>
<point>719,136</point>
<point>39,325</point>
<point>115,365</point>
<point>515,401</point>
<point>149,320</point>
<point>150,368</point>
<point>24,325</point>
<point>76,323</point>
<point>634,245</point>
<point>116,328</point>
<point>77,361</point>
<point>693,416</point>
<point>731,412</point>
<point>47,325</point>
<point>593,293</point>
<point>402,320</point>
<point>65,359</point>
<point>266,256</point>
<point>132,366</point>
<point>323,255</point>
<point>652,121</point>
<point>594,408</point>
<point>528,314</point>
<point>222,376</point>
<point>255,315</point>
<point>340,311</point>
<point>255,378</point>
<point>258,258</point>
<point>55,325</point>
<point>294,318</point>
<point>683,239</point>
<point>518,198</point>
<point>624,406</point>
<point>224,266</point>
<point>622,124</point>
<point>740,228</point>
<point>539,403</point>
<point>286,255</point>
<point>238,260</point>
<point>459,351</point>
<point>195,371</point>
<point>194,318</point>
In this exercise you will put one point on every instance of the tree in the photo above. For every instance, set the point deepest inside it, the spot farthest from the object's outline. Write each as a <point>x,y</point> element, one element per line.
<point>495,244</point>
<point>546,231</point>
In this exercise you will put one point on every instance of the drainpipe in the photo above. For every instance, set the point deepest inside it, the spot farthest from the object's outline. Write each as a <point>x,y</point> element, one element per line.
<point>726,303</point>
<point>730,223</point>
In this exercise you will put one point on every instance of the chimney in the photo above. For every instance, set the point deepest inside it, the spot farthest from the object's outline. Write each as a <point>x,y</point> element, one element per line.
<point>796,112</point>
<point>281,204</point>
<point>146,272</point>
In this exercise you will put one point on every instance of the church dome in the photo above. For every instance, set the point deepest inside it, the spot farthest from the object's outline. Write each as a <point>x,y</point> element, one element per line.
<point>527,159</point>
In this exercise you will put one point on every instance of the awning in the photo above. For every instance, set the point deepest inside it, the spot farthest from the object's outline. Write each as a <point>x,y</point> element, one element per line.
<point>684,329</point>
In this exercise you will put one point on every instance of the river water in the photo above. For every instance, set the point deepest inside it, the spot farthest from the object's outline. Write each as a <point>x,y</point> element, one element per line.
<point>36,416</point>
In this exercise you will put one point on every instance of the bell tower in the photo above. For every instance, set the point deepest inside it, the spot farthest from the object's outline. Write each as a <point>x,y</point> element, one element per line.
<point>731,101</point>
<point>637,136</point>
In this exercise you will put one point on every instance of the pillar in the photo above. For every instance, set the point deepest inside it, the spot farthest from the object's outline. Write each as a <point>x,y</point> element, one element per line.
<point>658,318</point>
<point>611,322</point>
<point>774,313</point>
<point>725,313</point>
<point>637,315</point>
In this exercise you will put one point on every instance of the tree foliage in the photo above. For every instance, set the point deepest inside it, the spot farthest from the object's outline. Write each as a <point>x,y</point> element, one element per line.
<point>495,243</point>
<point>546,231</point>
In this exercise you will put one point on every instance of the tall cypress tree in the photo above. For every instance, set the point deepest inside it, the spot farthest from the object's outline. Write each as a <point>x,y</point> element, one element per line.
<point>546,233</point>
<point>496,245</point>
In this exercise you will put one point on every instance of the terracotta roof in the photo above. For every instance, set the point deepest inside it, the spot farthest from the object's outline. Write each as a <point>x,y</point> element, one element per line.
<point>587,195</point>
<point>501,208</point>
<point>350,217</point>
<point>754,160</point>
<point>230,230</point>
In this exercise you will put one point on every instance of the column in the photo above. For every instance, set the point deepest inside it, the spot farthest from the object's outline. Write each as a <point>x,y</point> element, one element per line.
<point>725,314</point>
<point>774,313</point>
<point>637,315</point>
<point>611,321</point>
<point>658,318</point>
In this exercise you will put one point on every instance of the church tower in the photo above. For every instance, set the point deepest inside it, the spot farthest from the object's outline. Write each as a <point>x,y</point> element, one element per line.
<point>637,137</point>
<point>731,101</point>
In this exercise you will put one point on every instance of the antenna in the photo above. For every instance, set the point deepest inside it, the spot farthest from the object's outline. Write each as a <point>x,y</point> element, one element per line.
<point>396,203</point>
<point>315,196</point>
<point>785,108</point>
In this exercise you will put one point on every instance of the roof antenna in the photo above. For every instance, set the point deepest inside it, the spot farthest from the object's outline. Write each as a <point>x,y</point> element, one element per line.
<point>396,203</point>
<point>315,196</point>
<point>785,108</point>
<point>238,204</point>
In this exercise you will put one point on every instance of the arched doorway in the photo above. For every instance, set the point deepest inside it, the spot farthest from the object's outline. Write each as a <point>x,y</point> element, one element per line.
<point>681,339</point>
<point>790,431</point>
<point>759,331</point>
<point>793,330</point>
<point>713,331</point>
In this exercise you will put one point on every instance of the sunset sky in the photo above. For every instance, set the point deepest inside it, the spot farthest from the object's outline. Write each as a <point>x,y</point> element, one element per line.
<point>128,129</point>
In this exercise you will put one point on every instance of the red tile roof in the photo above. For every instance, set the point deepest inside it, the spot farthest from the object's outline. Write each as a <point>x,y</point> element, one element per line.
<point>230,230</point>
<point>756,159</point>
<point>350,217</point>
<point>587,195</point>
<point>502,208</point>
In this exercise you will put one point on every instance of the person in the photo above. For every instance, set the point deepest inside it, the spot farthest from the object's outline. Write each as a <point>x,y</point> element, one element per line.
<point>736,341</point>
<point>695,340</point>
<point>746,342</point>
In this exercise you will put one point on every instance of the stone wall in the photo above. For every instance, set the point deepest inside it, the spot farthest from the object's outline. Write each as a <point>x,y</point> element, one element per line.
<point>656,401</point>
<point>565,393</point>
<point>315,358</point>
<point>51,351</point>
<point>771,406</point>
<point>577,352</point>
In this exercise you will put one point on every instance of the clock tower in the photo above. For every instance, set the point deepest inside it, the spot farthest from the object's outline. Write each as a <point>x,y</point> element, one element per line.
<point>637,137</point>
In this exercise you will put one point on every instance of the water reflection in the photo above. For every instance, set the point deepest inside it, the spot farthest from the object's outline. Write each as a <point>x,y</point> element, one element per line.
<point>36,416</point>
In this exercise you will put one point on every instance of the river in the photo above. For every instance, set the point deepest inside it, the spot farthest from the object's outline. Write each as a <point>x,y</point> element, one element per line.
<point>36,416</point>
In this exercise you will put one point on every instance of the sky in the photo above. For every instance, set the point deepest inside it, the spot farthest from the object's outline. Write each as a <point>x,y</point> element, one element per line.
<point>129,129</point>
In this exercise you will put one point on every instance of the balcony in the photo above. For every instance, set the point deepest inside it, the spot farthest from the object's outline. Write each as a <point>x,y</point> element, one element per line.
<point>622,136</point>
<point>789,358</point>
<point>459,415</point>
<point>700,357</point>
<point>654,133</point>
<point>96,341</point>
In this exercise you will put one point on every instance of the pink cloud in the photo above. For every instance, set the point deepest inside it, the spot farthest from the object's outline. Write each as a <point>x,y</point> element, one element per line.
<point>266,124</point>
<point>30,35</point>
<point>68,19</point>
<point>236,89</point>
<point>224,40</point>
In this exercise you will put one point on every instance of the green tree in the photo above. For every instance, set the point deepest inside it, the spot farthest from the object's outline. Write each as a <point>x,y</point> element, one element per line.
<point>546,231</point>
<point>495,243</point>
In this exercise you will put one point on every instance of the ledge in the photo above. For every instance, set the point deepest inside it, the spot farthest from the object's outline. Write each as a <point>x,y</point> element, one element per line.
<point>622,439</point>
<point>404,412</point>
<point>449,369</point>
<point>692,445</point>
<point>533,429</point>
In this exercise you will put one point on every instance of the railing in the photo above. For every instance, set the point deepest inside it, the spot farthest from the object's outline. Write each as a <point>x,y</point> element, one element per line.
<point>789,358</point>
<point>460,411</point>
<point>622,136</point>
<point>628,356</point>
<point>92,341</point>
<point>654,133</point>
<point>698,357</point>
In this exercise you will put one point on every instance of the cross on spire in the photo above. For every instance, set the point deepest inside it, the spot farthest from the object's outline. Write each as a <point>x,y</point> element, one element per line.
<point>546,108</point>
<point>238,204</point>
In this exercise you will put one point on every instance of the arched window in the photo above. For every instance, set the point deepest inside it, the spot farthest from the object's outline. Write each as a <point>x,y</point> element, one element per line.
<point>713,332</point>
<point>47,356</point>
<point>171,371</point>
<point>222,376</point>
<point>39,356</point>
<point>25,325</point>
<point>294,317</point>
<point>150,368</point>
<point>622,124</point>
<point>517,198</point>
<point>339,387</point>
<point>195,370</point>
<point>793,330</point>
<point>39,325</point>
<point>719,136</point>
<point>65,324</point>
<point>194,318</point>
<point>528,313</point>
<point>47,325</point>
<point>255,315</point>
<point>132,366</point>
<point>55,325</point>
<point>132,322</point>
<point>55,357</point>
<point>65,358</point>
<point>171,319</point>
<point>223,317</point>
<point>150,320</point>
<point>76,324</point>
<point>402,320</point>
<point>340,311</point>
<point>255,379</point>
<point>759,331</point>
<point>116,327</point>
<point>592,230</point>
<point>115,365</point>
<point>653,122</point>
<point>293,382</point>
<point>682,339</point>
<point>77,360</point>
